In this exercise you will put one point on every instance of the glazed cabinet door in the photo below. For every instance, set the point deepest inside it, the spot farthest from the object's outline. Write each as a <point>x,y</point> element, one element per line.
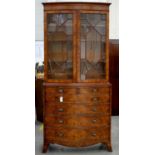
<point>93,47</point>
<point>59,46</point>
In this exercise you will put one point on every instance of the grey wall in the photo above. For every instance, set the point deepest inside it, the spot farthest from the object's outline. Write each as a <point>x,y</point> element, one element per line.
<point>38,20</point>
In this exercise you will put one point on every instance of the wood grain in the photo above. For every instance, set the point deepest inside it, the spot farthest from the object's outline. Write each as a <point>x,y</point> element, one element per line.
<point>83,118</point>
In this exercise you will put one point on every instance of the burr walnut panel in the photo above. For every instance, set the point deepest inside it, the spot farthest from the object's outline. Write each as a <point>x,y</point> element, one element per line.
<point>76,134</point>
<point>77,95</point>
<point>78,98</point>
<point>77,109</point>
<point>77,90</point>
<point>77,121</point>
<point>81,119</point>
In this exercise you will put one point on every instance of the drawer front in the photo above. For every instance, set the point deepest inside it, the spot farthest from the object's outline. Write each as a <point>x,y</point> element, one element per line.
<point>76,109</point>
<point>52,103</point>
<point>77,98</point>
<point>75,134</point>
<point>94,90</point>
<point>77,121</point>
<point>77,90</point>
<point>61,90</point>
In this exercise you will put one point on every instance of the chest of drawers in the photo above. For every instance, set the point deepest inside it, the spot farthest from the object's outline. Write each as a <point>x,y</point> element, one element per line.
<point>77,116</point>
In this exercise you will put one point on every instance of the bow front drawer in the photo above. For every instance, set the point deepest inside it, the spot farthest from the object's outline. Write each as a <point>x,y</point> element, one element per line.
<point>77,134</point>
<point>77,109</point>
<point>78,121</point>
<point>77,98</point>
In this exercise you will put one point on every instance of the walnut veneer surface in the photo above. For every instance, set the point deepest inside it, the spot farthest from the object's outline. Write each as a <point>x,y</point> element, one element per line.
<point>82,119</point>
<point>77,109</point>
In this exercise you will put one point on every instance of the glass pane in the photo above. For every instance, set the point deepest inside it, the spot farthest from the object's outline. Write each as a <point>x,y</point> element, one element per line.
<point>60,46</point>
<point>92,44</point>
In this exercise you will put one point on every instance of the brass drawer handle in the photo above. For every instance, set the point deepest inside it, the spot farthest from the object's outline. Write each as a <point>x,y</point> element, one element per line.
<point>94,109</point>
<point>95,99</point>
<point>61,121</point>
<point>93,134</point>
<point>60,134</point>
<point>60,90</point>
<point>94,120</point>
<point>61,110</point>
<point>94,90</point>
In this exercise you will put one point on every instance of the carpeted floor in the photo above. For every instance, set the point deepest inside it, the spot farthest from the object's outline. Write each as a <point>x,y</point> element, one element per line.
<point>93,150</point>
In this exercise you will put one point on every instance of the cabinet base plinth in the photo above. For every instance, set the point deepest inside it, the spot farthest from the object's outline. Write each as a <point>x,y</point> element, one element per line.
<point>109,147</point>
<point>104,146</point>
<point>45,147</point>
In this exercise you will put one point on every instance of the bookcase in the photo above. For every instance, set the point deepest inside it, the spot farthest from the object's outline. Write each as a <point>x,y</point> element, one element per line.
<point>77,92</point>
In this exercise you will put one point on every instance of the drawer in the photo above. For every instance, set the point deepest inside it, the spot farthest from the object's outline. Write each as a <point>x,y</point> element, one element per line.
<point>94,90</point>
<point>78,121</point>
<point>77,103</point>
<point>76,134</point>
<point>77,90</point>
<point>77,98</point>
<point>76,109</point>
<point>61,90</point>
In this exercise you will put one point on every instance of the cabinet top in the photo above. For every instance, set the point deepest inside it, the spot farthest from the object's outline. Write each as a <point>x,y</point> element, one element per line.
<point>99,6</point>
<point>100,3</point>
